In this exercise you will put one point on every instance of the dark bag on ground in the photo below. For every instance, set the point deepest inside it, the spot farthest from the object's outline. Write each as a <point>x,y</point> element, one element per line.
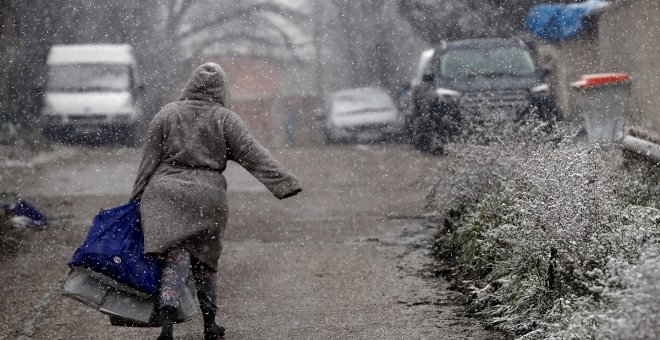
<point>23,208</point>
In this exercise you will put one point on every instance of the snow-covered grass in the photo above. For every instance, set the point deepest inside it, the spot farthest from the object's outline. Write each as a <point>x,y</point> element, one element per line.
<point>552,238</point>
<point>4,222</point>
<point>5,225</point>
<point>19,144</point>
<point>21,136</point>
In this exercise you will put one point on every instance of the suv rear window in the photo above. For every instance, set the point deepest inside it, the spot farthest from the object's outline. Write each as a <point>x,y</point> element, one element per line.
<point>501,61</point>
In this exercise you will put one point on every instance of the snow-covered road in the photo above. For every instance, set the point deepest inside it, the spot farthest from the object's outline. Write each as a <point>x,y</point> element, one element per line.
<point>344,260</point>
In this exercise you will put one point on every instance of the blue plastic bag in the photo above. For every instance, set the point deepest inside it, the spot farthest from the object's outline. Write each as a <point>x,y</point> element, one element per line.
<point>115,248</point>
<point>561,22</point>
<point>25,209</point>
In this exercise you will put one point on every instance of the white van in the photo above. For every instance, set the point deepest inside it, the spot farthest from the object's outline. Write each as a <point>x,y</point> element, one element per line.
<point>91,92</point>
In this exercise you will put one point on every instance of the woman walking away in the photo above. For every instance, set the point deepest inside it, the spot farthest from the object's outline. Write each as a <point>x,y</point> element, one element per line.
<point>183,192</point>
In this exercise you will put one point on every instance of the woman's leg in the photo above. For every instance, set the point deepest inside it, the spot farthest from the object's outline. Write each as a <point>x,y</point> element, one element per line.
<point>172,285</point>
<point>206,280</point>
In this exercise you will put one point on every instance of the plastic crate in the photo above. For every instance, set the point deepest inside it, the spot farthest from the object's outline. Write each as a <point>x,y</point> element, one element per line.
<point>125,306</point>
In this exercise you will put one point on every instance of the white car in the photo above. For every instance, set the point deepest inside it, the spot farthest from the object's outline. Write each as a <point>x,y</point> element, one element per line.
<point>363,115</point>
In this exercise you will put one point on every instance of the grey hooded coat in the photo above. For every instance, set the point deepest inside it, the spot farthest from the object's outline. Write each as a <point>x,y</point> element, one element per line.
<point>180,181</point>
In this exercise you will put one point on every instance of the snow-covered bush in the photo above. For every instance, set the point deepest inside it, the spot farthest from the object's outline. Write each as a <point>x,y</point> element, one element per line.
<point>630,313</point>
<point>548,237</point>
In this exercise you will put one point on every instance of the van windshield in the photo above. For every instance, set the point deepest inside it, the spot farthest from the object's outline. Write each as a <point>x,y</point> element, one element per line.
<point>502,61</point>
<point>89,77</point>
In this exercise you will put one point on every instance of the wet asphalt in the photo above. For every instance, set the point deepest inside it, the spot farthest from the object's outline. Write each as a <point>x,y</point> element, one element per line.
<point>346,259</point>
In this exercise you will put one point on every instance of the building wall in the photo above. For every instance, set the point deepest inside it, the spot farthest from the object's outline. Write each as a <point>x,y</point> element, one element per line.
<point>586,60</point>
<point>278,110</point>
<point>298,103</point>
<point>298,125</point>
<point>254,84</point>
<point>629,38</point>
<point>569,60</point>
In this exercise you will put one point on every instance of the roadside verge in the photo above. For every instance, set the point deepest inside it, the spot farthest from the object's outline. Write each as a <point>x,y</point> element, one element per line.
<point>551,239</point>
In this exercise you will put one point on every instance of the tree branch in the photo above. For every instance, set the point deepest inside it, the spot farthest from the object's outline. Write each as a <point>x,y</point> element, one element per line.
<point>182,11</point>
<point>242,12</point>
<point>169,22</point>
<point>242,35</point>
<point>286,39</point>
<point>262,41</point>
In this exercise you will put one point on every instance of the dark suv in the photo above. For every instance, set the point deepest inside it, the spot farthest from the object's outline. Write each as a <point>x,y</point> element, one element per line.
<point>479,78</point>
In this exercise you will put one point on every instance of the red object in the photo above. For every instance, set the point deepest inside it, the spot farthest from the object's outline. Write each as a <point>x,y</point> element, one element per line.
<point>595,80</point>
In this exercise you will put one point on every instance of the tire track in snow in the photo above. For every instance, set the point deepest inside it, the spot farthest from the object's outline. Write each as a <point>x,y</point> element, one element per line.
<point>37,310</point>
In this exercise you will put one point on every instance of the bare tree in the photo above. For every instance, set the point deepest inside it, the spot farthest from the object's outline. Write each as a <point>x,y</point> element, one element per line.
<point>378,44</point>
<point>162,31</point>
<point>25,40</point>
<point>435,20</point>
<point>189,26</point>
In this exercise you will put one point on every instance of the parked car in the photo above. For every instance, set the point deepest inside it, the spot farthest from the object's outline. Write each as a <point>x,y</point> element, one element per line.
<point>91,91</point>
<point>494,78</point>
<point>363,114</point>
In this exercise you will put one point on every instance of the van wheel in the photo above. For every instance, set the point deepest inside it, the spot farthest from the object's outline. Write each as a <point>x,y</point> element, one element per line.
<point>50,134</point>
<point>330,140</point>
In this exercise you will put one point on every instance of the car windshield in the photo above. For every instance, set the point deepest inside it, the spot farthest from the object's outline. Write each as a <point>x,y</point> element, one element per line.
<point>344,103</point>
<point>89,77</point>
<point>503,61</point>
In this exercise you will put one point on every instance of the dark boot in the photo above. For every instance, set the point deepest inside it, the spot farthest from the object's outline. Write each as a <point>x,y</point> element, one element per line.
<point>211,330</point>
<point>168,314</point>
<point>205,278</point>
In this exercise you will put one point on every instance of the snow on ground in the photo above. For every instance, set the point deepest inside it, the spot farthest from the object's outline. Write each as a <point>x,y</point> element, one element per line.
<point>341,260</point>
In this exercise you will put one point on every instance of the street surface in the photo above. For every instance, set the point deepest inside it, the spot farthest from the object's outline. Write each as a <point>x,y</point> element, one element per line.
<point>346,259</point>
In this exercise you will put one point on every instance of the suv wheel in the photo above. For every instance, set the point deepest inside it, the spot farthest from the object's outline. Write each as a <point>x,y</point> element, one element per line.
<point>423,138</point>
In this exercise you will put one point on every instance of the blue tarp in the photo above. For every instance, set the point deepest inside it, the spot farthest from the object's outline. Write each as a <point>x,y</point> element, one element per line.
<point>560,22</point>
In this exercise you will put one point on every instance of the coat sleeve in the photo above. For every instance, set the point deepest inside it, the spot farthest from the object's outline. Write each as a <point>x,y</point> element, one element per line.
<point>245,150</point>
<point>151,157</point>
